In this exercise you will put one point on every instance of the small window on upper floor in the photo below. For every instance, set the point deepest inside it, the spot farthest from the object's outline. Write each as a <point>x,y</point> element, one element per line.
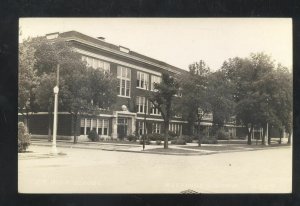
<point>155,80</point>
<point>142,80</point>
<point>96,63</point>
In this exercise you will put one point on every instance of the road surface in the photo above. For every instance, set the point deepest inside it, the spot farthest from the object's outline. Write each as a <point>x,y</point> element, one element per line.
<point>98,171</point>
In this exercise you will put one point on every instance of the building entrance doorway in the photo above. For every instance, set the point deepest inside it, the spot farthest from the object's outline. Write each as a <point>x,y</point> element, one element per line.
<point>122,127</point>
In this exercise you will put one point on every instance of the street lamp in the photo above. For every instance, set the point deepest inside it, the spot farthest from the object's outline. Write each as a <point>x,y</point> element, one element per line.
<point>55,91</point>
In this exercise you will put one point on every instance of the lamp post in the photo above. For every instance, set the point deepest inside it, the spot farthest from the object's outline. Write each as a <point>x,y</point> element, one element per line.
<point>55,91</point>
<point>54,149</point>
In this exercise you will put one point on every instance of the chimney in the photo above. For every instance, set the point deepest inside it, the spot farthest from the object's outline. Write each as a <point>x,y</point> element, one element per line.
<point>52,35</point>
<point>101,38</point>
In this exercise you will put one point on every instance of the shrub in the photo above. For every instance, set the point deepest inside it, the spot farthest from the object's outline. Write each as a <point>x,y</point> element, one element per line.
<point>209,141</point>
<point>172,135</point>
<point>154,137</point>
<point>93,136</point>
<point>187,138</point>
<point>132,138</point>
<point>23,137</point>
<point>158,142</point>
<point>147,142</point>
<point>101,138</point>
<point>179,141</point>
<point>222,135</point>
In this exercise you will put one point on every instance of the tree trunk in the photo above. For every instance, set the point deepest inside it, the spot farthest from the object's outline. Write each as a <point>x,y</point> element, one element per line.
<point>166,122</point>
<point>269,137</point>
<point>280,136</point>
<point>249,141</point>
<point>75,128</point>
<point>49,124</point>
<point>263,139</point>
<point>289,137</point>
<point>27,122</point>
<point>199,132</point>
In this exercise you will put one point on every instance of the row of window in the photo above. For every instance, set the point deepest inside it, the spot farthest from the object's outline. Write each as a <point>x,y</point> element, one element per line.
<point>101,126</point>
<point>142,81</point>
<point>156,128</point>
<point>96,63</point>
<point>176,128</point>
<point>142,106</point>
<point>124,76</point>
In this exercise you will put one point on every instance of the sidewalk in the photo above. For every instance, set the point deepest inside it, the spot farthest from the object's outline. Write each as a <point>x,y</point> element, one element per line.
<point>188,149</point>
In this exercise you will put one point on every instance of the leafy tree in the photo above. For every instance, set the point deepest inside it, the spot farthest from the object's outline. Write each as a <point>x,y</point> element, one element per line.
<point>45,97</point>
<point>258,92</point>
<point>220,98</point>
<point>282,99</point>
<point>102,88</point>
<point>162,99</point>
<point>27,79</point>
<point>194,102</point>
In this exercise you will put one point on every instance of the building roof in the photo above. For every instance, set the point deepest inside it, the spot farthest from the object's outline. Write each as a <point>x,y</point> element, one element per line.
<point>78,35</point>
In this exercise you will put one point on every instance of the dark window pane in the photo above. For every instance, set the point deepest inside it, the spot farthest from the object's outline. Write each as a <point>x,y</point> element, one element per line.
<point>105,131</point>
<point>99,131</point>
<point>81,130</point>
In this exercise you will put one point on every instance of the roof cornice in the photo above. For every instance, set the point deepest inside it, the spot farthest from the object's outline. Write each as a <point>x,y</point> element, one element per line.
<point>119,53</point>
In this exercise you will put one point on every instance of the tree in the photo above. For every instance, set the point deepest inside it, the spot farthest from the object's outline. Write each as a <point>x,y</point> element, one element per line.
<point>194,102</point>
<point>77,99</point>
<point>48,54</point>
<point>102,88</point>
<point>162,99</point>
<point>220,98</point>
<point>282,99</point>
<point>27,79</point>
<point>257,92</point>
<point>44,97</point>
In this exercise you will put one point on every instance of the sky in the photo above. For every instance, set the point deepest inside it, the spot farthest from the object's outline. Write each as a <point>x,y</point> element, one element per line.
<point>180,41</point>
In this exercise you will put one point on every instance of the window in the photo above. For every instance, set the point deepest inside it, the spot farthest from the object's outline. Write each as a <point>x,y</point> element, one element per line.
<point>175,128</point>
<point>155,79</point>
<point>124,84</point>
<point>82,126</point>
<point>141,128</point>
<point>141,105</point>
<point>97,63</point>
<point>101,126</point>
<point>156,128</point>
<point>87,126</point>
<point>154,110</point>
<point>142,80</point>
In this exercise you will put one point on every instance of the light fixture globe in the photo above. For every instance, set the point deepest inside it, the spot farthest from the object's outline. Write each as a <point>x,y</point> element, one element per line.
<point>124,108</point>
<point>56,90</point>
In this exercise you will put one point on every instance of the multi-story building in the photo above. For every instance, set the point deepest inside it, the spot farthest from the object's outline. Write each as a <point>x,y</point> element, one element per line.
<point>136,75</point>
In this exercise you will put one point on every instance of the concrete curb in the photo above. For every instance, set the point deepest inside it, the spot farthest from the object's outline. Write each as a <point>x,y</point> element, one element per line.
<point>96,147</point>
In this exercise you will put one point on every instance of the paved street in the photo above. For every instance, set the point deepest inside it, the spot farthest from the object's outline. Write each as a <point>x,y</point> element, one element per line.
<point>98,171</point>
